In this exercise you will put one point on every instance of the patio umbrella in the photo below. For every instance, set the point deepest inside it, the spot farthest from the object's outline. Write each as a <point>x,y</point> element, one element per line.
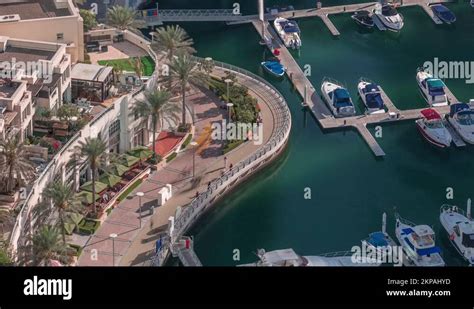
<point>118,169</point>
<point>73,219</point>
<point>86,197</point>
<point>141,152</point>
<point>99,186</point>
<point>110,179</point>
<point>128,160</point>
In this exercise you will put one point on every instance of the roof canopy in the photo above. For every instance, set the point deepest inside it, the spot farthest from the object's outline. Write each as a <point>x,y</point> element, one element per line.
<point>457,107</point>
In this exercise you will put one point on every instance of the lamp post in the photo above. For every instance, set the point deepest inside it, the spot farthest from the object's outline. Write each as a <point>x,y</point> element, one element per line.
<point>140,195</point>
<point>229,109</point>
<point>228,81</point>
<point>194,144</point>
<point>113,236</point>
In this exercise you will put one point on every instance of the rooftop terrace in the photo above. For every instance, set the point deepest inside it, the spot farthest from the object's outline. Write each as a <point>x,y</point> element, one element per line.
<point>7,88</point>
<point>32,9</point>
<point>25,54</point>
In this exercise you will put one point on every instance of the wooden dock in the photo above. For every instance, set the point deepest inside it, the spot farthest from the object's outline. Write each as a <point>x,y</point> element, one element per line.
<point>319,109</point>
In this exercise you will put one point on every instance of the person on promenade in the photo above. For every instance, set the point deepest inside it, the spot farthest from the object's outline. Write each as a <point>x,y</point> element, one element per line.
<point>225,163</point>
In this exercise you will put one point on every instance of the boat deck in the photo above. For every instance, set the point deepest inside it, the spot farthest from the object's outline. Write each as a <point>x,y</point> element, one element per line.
<point>457,140</point>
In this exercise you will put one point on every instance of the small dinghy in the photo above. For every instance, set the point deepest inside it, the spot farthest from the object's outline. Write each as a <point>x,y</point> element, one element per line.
<point>274,67</point>
<point>443,13</point>
<point>363,18</point>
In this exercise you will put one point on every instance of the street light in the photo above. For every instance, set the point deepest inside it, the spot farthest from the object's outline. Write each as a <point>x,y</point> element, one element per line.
<point>194,144</point>
<point>140,195</point>
<point>113,236</point>
<point>229,108</point>
<point>228,81</point>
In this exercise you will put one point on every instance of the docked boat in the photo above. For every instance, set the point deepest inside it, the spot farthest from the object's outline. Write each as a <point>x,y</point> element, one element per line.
<point>389,17</point>
<point>337,98</point>
<point>461,118</point>
<point>443,13</point>
<point>385,247</point>
<point>274,67</point>
<point>432,128</point>
<point>431,88</point>
<point>460,228</point>
<point>288,257</point>
<point>363,18</point>
<point>418,243</point>
<point>288,31</point>
<point>371,95</point>
<point>472,3</point>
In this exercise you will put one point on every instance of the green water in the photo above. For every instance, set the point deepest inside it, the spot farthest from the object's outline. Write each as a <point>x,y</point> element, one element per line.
<point>350,187</point>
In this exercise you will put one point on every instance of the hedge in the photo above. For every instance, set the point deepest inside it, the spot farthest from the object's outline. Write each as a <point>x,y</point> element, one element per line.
<point>186,141</point>
<point>129,190</point>
<point>232,145</point>
<point>88,226</point>
<point>171,157</point>
<point>77,249</point>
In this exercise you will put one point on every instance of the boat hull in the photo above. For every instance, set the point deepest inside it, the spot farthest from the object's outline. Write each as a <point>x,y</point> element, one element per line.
<point>360,88</point>
<point>448,218</point>
<point>420,77</point>
<point>466,135</point>
<point>328,87</point>
<point>428,137</point>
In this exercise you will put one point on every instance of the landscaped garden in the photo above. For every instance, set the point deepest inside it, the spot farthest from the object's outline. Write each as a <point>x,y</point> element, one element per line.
<point>147,65</point>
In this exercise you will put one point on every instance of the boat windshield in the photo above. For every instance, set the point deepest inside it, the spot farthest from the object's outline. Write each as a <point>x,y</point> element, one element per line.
<point>466,118</point>
<point>389,11</point>
<point>434,124</point>
<point>423,241</point>
<point>468,240</point>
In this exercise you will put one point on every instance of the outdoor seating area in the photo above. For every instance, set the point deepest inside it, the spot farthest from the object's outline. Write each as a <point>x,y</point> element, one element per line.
<point>117,176</point>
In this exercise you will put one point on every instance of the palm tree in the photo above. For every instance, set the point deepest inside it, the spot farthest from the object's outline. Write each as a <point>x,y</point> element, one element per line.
<point>47,244</point>
<point>185,70</point>
<point>124,18</point>
<point>92,151</point>
<point>156,105</point>
<point>137,66</point>
<point>15,167</point>
<point>64,201</point>
<point>172,40</point>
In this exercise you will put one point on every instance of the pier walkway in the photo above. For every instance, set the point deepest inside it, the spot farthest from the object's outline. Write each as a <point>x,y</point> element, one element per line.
<point>322,113</point>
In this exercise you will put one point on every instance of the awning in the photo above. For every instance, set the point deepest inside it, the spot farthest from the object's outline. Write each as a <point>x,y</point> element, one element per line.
<point>117,169</point>
<point>110,179</point>
<point>99,186</point>
<point>86,197</point>
<point>128,160</point>
<point>141,152</point>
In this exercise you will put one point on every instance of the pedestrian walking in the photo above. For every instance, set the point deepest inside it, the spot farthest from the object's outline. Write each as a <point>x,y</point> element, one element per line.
<point>225,162</point>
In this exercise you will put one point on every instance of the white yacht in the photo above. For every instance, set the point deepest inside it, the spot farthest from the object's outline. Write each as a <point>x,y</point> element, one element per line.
<point>460,228</point>
<point>432,128</point>
<point>389,17</point>
<point>371,95</point>
<point>288,257</point>
<point>461,118</point>
<point>418,243</point>
<point>337,98</point>
<point>288,31</point>
<point>432,89</point>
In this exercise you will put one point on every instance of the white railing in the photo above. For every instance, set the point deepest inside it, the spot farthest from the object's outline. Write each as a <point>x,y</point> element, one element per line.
<point>280,134</point>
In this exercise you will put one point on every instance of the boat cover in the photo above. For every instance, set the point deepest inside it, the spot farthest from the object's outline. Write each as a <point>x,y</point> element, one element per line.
<point>407,231</point>
<point>443,12</point>
<point>274,66</point>
<point>430,114</point>
<point>435,86</point>
<point>373,97</point>
<point>457,107</point>
<point>342,98</point>
<point>378,239</point>
<point>290,26</point>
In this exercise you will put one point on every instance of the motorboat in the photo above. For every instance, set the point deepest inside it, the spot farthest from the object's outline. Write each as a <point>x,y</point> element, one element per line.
<point>389,16</point>
<point>418,243</point>
<point>274,67</point>
<point>337,98</point>
<point>363,18</point>
<point>371,95</point>
<point>460,228</point>
<point>288,31</point>
<point>385,248</point>
<point>443,13</point>
<point>432,128</point>
<point>461,118</point>
<point>431,88</point>
<point>472,3</point>
<point>288,258</point>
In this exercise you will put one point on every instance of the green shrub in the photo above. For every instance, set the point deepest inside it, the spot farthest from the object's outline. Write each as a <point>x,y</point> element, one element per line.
<point>171,157</point>
<point>183,128</point>
<point>77,250</point>
<point>88,226</point>
<point>186,141</point>
<point>129,190</point>
<point>109,210</point>
<point>232,145</point>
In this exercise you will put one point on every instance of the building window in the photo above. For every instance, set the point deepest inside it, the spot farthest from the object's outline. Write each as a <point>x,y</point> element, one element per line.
<point>114,127</point>
<point>59,36</point>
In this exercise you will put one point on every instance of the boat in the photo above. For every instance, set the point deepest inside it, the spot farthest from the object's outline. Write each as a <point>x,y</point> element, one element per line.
<point>337,98</point>
<point>289,258</point>
<point>418,243</point>
<point>431,88</point>
<point>288,31</point>
<point>363,18</point>
<point>472,3</point>
<point>387,250</point>
<point>443,13</point>
<point>461,118</point>
<point>432,128</point>
<point>460,228</point>
<point>274,67</point>
<point>389,16</point>
<point>371,95</point>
